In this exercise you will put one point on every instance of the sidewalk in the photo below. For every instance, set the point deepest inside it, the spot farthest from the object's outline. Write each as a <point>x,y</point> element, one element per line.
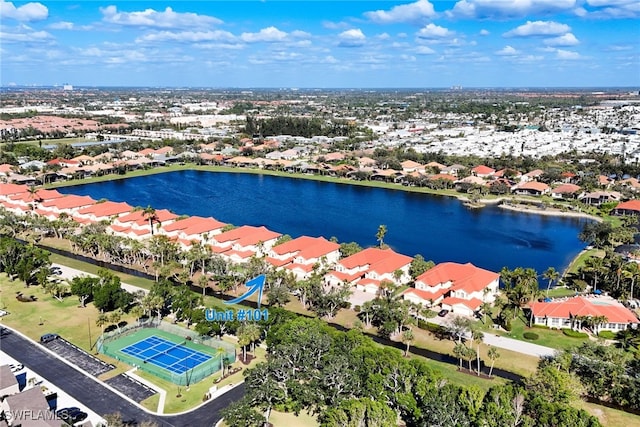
<point>519,346</point>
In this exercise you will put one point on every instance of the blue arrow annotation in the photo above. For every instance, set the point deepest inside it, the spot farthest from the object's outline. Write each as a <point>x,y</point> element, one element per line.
<point>255,284</point>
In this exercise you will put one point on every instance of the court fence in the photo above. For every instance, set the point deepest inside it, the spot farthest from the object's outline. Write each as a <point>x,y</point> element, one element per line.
<point>110,344</point>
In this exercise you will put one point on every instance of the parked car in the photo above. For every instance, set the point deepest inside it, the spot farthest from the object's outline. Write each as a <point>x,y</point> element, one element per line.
<point>16,367</point>
<point>71,415</point>
<point>48,337</point>
<point>443,312</point>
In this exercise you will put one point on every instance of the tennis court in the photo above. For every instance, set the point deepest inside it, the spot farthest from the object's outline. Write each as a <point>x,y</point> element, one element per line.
<point>165,354</point>
<point>179,355</point>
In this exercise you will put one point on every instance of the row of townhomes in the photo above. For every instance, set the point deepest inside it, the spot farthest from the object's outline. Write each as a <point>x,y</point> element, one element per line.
<point>301,160</point>
<point>459,288</point>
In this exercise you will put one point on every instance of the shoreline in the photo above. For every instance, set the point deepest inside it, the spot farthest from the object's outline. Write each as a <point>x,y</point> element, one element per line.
<point>549,212</point>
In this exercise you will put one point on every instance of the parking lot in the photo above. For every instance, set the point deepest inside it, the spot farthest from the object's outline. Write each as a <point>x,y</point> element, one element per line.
<point>78,357</point>
<point>130,387</point>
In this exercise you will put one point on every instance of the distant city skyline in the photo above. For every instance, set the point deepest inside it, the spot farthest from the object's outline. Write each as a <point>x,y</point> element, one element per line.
<point>321,44</point>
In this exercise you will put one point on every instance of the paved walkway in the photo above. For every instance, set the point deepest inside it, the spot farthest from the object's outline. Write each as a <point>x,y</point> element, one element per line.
<point>517,345</point>
<point>506,342</point>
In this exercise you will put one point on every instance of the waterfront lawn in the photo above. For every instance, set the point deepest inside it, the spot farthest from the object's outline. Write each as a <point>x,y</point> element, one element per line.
<point>560,292</point>
<point>580,260</point>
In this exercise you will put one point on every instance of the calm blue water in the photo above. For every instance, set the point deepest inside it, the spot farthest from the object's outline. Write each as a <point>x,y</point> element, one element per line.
<point>439,228</point>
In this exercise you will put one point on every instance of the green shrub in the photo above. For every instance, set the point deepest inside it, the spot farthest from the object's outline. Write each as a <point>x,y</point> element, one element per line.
<point>574,334</point>
<point>532,336</point>
<point>507,326</point>
<point>431,327</point>
<point>607,335</point>
<point>356,309</point>
<point>541,326</point>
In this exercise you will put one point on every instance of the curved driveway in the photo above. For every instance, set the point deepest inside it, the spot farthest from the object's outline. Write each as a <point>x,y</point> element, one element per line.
<point>95,395</point>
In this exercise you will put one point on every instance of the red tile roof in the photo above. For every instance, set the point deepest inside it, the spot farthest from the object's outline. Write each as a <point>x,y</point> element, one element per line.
<point>566,189</point>
<point>69,202</point>
<point>483,170</point>
<point>138,217</point>
<point>379,260</point>
<point>466,277</point>
<point>41,194</point>
<point>307,247</point>
<point>472,303</point>
<point>533,185</point>
<point>580,306</point>
<point>247,235</point>
<point>105,209</point>
<point>631,205</point>
<point>194,225</point>
<point>426,295</point>
<point>6,189</point>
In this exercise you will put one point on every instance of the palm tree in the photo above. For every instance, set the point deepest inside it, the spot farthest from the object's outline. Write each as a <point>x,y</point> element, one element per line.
<point>149,214</point>
<point>493,355</point>
<point>477,336</point>
<point>459,351</point>
<point>407,338</point>
<point>595,266</point>
<point>552,275</point>
<point>631,271</point>
<point>382,231</point>
<point>102,320</point>
<point>221,352</point>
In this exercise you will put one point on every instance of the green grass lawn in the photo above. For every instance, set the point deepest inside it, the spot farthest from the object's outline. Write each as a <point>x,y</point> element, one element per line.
<point>547,337</point>
<point>582,258</point>
<point>610,417</point>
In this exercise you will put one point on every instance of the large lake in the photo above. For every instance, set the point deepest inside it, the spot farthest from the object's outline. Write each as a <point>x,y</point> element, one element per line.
<point>439,228</point>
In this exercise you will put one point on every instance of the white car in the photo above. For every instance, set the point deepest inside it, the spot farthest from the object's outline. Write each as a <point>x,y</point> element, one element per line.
<point>16,367</point>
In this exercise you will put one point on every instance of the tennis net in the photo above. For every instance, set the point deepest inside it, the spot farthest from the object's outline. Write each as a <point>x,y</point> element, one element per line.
<point>163,352</point>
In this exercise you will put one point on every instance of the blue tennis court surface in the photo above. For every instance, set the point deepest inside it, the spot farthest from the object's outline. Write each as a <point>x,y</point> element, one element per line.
<point>166,354</point>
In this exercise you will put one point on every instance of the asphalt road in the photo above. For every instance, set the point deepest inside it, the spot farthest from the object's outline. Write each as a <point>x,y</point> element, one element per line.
<point>98,397</point>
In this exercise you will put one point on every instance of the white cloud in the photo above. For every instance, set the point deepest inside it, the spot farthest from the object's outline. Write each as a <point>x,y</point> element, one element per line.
<point>509,8</point>
<point>152,18</point>
<point>424,50</point>
<point>61,25</point>
<point>507,51</point>
<point>352,38</point>
<point>565,40</point>
<point>567,54</point>
<point>269,35</point>
<point>614,8</point>
<point>300,34</point>
<point>330,25</point>
<point>26,12</point>
<point>408,58</point>
<point>187,36</point>
<point>416,12</point>
<point>432,31</point>
<point>538,28</point>
<point>484,32</point>
<point>330,60</point>
<point>29,37</point>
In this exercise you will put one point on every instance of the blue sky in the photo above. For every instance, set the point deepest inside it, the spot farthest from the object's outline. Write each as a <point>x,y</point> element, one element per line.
<point>321,44</point>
